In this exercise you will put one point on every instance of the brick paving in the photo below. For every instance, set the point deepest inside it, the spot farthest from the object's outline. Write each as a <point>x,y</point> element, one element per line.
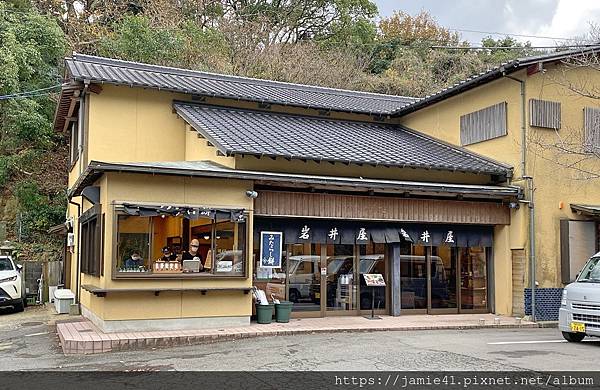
<point>83,337</point>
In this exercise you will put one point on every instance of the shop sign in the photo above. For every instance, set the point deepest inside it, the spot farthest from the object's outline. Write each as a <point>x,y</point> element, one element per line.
<point>449,237</point>
<point>225,266</point>
<point>374,280</point>
<point>346,232</point>
<point>333,234</point>
<point>270,249</point>
<point>304,233</point>
<point>362,235</point>
<point>405,235</point>
<point>425,236</point>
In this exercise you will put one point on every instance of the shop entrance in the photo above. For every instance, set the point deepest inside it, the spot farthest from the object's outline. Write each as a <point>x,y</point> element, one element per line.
<point>443,279</point>
<point>326,279</point>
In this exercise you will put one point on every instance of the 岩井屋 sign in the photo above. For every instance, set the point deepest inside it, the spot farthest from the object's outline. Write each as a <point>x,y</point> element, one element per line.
<point>270,249</point>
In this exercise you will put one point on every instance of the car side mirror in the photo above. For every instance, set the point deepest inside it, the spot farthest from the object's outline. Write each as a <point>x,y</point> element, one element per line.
<point>19,267</point>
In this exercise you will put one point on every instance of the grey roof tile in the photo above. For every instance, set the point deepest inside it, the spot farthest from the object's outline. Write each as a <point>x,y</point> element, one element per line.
<point>112,71</point>
<point>235,131</point>
<point>492,74</point>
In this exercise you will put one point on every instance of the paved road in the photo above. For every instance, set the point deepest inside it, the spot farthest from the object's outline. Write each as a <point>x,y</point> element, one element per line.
<point>27,342</point>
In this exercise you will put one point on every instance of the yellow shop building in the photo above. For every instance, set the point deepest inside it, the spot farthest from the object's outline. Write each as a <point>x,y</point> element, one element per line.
<point>179,178</point>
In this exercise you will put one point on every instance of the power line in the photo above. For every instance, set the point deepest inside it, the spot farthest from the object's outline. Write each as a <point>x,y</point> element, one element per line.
<point>510,47</point>
<point>515,35</point>
<point>33,93</point>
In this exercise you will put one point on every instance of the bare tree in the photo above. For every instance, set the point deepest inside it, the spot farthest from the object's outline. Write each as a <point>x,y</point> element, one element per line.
<point>576,148</point>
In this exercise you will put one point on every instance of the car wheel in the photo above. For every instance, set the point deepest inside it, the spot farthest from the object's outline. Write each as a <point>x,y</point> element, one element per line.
<point>19,307</point>
<point>294,296</point>
<point>573,337</point>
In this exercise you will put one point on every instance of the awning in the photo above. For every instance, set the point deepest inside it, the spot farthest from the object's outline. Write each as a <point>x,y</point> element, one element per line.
<point>60,229</point>
<point>213,170</point>
<point>233,215</point>
<point>298,231</point>
<point>590,210</point>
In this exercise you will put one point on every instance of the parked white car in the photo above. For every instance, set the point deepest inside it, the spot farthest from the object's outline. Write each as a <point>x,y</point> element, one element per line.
<point>11,285</point>
<point>579,314</point>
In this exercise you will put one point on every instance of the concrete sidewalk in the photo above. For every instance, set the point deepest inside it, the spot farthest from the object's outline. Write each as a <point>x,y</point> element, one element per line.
<point>80,336</point>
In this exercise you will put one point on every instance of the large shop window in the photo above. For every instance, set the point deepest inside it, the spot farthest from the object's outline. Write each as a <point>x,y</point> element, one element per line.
<point>91,223</point>
<point>178,241</point>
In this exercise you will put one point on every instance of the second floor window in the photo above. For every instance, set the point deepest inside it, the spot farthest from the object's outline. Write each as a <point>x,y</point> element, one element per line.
<point>482,125</point>
<point>544,113</point>
<point>591,129</point>
<point>74,142</point>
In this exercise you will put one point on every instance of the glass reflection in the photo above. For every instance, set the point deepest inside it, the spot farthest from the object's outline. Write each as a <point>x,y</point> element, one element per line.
<point>443,277</point>
<point>473,282</point>
<point>372,261</point>
<point>413,276</point>
<point>304,277</point>
<point>341,284</point>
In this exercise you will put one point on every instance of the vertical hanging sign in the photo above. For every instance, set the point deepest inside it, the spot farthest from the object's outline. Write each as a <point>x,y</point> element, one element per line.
<point>270,249</point>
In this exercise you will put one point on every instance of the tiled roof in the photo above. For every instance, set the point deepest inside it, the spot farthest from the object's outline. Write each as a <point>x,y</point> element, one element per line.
<point>235,131</point>
<point>586,209</point>
<point>493,74</point>
<point>112,71</point>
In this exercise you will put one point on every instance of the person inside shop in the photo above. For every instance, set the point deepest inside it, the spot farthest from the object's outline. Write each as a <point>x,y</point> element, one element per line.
<point>193,253</point>
<point>134,261</point>
<point>167,255</point>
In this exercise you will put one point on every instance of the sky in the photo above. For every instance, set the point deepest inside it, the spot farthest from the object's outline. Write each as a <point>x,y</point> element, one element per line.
<point>545,18</point>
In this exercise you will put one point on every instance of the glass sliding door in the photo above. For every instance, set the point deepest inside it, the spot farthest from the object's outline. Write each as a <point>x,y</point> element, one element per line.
<point>304,277</point>
<point>473,280</point>
<point>414,277</point>
<point>341,279</point>
<point>443,264</point>
<point>372,260</point>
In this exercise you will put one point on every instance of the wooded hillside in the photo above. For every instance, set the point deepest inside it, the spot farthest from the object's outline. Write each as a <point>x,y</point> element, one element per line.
<point>333,43</point>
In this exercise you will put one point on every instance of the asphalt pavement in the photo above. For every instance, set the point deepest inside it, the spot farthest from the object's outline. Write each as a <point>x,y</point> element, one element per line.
<point>28,341</point>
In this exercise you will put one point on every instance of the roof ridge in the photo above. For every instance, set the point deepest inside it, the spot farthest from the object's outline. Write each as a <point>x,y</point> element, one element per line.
<point>233,78</point>
<point>274,113</point>
<point>516,64</point>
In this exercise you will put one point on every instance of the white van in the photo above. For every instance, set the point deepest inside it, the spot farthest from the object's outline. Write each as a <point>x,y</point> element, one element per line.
<point>579,314</point>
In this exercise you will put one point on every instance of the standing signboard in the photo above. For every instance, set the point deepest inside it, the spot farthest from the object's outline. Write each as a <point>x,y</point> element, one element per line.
<point>373,281</point>
<point>270,249</point>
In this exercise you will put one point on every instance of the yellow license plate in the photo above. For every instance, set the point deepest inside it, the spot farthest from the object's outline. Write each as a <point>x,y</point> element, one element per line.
<point>578,327</point>
<point>317,295</point>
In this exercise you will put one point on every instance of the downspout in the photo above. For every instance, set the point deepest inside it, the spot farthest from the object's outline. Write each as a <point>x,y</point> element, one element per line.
<point>530,202</point>
<point>523,125</point>
<point>532,244</point>
<point>80,131</point>
<point>78,255</point>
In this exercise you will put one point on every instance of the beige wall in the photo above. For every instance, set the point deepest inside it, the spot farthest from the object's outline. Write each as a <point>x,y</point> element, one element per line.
<point>135,124</point>
<point>198,149</point>
<point>145,305</point>
<point>554,186</point>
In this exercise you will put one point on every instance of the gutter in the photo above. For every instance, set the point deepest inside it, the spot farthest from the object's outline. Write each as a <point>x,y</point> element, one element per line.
<point>523,123</point>
<point>530,203</point>
<point>78,257</point>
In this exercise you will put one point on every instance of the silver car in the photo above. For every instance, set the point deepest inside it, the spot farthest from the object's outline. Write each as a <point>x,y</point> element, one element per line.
<point>579,314</point>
